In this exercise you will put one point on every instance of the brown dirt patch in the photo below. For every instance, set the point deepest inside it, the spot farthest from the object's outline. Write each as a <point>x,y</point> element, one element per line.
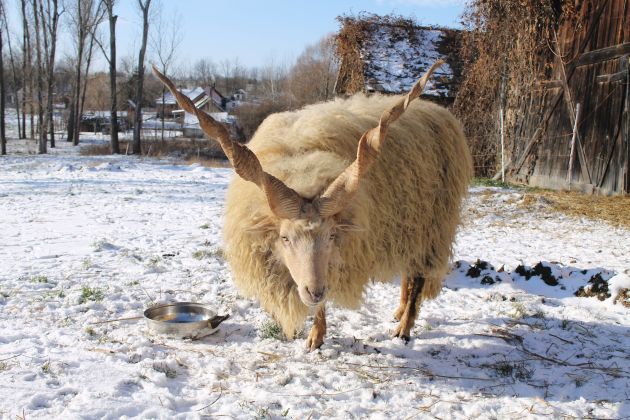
<point>614,210</point>
<point>623,298</point>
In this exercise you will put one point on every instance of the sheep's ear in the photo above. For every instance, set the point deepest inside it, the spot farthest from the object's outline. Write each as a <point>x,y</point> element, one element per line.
<point>264,224</point>
<point>348,226</point>
<point>340,192</point>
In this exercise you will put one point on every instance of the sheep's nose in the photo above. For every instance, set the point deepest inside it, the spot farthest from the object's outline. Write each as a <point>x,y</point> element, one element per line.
<point>317,294</point>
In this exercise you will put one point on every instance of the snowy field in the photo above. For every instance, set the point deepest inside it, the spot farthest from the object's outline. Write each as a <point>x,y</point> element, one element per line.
<point>92,239</point>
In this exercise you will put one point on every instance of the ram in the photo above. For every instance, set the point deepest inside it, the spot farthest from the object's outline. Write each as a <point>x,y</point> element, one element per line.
<point>339,193</point>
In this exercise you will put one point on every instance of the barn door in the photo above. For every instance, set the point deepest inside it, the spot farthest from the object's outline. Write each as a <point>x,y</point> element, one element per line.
<point>604,125</point>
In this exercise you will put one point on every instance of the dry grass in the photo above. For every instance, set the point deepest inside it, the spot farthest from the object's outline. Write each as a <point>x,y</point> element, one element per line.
<point>201,151</point>
<point>614,210</point>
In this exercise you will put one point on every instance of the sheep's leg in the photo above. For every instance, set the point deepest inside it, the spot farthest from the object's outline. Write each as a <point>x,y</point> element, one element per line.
<point>414,290</point>
<point>318,331</point>
<point>404,295</point>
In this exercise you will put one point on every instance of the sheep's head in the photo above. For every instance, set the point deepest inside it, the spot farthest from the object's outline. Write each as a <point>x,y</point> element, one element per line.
<point>307,228</point>
<point>305,247</point>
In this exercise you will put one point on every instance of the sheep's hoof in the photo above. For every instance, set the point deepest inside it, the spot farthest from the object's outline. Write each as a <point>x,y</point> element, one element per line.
<point>314,340</point>
<point>400,333</point>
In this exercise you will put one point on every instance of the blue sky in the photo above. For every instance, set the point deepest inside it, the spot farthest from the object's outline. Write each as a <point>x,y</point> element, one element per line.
<point>254,31</point>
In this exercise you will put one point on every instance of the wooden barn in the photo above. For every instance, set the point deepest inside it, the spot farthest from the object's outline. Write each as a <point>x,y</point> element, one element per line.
<point>388,54</point>
<point>574,133</point>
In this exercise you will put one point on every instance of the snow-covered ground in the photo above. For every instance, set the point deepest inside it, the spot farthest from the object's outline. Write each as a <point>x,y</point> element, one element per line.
<point>92,239</point>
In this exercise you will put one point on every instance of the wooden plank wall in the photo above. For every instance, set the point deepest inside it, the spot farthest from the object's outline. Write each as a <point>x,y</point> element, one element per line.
<point>590,68</point>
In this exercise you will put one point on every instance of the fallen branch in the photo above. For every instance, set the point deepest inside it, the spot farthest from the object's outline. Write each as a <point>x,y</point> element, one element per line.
<point>517,341</point>
<point>133,318</point>
<point>9,358</point>
<point>424,371</point>
<point>217,399</point>
<point>562,339</point>
<point>329,394</point>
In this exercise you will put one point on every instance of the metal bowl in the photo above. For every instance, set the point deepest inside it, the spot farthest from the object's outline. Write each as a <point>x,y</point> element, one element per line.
<point>183,319</point>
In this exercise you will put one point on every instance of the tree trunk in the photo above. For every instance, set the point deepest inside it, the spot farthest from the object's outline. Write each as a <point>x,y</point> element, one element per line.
<point>137,147</point>
<point>77,87</point>
<point>112,78</point>
<point>24,88</point>
<point>163,96</point>
<point>71,117</point>
<point>3,139</point>
<point>88,61</point>
<point>27,67</point>
<point>51,33</point>
<point>40,84</point>
<point>44,22</point>
<point>14,76</point>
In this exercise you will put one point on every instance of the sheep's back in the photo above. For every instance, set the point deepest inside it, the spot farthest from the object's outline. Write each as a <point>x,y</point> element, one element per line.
<point>407,207</point>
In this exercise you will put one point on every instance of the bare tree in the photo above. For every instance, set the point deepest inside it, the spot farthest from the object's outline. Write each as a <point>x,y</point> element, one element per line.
<point>41,127</point>
<point>3,139</point>
<point>85,17</point>
<point>165,41</point>
<point>312,77</point>
<point>233,75</point>
<point>27,71</point>
<point>50,22</point>
<point>274,74</point>
<point>92,28</point>
<point>144,7</point>
<point>14,72</point>
<point>204,72</point>
<point>111,60</point>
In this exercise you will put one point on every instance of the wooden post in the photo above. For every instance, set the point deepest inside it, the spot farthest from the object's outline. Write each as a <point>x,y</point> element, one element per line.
<point>572,155</point>
<point>502,146</point>
<point>626,133</point>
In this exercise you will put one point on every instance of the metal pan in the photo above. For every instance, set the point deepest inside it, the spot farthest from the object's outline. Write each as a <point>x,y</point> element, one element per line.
<point>182,319</point>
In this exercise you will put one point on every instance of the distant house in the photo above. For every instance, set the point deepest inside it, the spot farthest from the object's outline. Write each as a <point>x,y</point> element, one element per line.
<point>207,99</point>
<point>217,100</point>
<point>192,129</point>
<point>389,54</point>
<point>100,121</point>
<point>235,100</point>
<point>166,104</point>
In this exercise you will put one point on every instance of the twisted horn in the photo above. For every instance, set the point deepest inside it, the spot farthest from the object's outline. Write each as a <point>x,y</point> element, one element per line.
<point>283,201</point>
<point>341,190</point>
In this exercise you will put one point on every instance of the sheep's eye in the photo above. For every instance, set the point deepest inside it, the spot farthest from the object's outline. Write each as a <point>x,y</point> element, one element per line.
<point>332,236</point>
<point>285,239</point>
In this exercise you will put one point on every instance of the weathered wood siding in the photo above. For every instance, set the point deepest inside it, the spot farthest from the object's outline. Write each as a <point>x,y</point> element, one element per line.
<point>592,70</point>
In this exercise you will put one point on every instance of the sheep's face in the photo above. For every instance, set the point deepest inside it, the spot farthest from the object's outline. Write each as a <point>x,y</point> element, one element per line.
<point>305,246</point>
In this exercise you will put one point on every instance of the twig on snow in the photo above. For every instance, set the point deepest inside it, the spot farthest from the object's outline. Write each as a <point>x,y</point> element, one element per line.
<point>132,318</point>
<point>272,356</point>
<point>324,394</point>
<point>562,339</point>
<point>9,358</point>
<point>217,399</point>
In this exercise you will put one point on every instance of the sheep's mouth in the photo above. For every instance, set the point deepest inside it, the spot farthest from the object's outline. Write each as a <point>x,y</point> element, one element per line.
<point>310,302</point>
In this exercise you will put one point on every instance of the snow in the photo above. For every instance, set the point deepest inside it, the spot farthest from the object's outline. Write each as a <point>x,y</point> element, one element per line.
<point>394,61</point>
<point>169,98</point>
<point>223,117</point>
<point>92,239</point>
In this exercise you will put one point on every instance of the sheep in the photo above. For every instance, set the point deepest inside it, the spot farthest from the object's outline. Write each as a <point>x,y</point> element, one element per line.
<point>336,205</point>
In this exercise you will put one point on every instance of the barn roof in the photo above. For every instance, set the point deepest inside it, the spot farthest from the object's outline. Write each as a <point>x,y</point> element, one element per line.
<point>169,99</point>
<point>393,53</point>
